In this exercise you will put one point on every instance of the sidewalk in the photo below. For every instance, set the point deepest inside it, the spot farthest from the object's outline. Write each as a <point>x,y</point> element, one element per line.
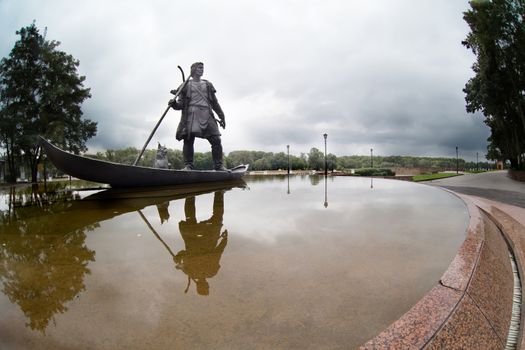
<point>496,186</point>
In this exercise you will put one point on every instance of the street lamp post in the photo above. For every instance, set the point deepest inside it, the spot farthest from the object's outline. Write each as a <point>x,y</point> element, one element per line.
<point>457,160</point>
<point>325,160</point>
<point>371,157</point>
<point>477,161</point>
<point>288,150</point>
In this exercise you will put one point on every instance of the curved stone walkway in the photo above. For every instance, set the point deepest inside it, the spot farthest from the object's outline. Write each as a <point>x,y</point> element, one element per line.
<point>496,186</point>
<point>504,199</point>
<point>474,304</point>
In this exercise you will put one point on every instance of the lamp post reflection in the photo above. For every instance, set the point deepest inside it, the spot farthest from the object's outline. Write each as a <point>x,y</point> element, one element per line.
<point>325,160</point>
<point>325,192</point>
<point>288,151</point>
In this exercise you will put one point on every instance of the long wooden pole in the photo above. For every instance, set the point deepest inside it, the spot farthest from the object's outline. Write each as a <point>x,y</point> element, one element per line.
<point>155,233</point>
<point>161,118</point>
<point>150,136</point>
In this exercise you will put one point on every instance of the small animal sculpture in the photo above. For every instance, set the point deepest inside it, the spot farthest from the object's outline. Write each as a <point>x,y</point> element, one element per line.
<point>161,160</point>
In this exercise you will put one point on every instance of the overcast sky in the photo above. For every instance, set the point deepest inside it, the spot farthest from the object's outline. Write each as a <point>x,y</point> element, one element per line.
<point>381,74</point>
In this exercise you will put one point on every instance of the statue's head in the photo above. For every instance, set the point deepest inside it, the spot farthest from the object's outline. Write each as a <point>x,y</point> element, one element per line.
<point>194,67</point>
<point>203,288</point>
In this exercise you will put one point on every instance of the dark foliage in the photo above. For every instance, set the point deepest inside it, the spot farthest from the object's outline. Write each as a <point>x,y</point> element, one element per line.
<point>497,38</point>
<point>40,94</point>
<point>374,172</point>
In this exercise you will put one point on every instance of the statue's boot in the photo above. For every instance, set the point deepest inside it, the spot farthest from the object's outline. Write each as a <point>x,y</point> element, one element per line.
<point>216,153</point>
<point>187,153</point>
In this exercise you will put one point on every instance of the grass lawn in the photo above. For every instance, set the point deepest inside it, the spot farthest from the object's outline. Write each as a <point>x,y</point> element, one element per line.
<point>428,177</point>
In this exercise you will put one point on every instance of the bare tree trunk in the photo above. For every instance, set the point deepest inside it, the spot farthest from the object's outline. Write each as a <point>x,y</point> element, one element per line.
<point>11,178</point>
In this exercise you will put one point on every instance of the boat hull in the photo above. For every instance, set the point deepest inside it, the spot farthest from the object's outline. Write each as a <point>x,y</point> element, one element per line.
<point>122,175</point>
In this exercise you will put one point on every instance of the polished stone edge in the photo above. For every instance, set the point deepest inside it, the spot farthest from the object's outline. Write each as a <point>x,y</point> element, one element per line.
<point>416,327</point>
<point>511,221</point>
<point>492,285</point>
<point>471,305</point>
<point>467,328</point>
<point>460,270</point>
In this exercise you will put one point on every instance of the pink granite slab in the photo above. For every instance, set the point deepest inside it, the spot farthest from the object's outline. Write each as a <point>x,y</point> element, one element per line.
<point>458,274</point>
<point>467,328</point>
<point>492,284</point>
<point>415,328</point>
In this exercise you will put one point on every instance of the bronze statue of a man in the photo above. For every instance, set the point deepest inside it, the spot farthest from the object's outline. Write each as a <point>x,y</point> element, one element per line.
<point>197,101</point>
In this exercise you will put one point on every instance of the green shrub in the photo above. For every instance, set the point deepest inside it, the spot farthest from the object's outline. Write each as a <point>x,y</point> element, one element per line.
<point>374,172</point>
<point>429,177</point>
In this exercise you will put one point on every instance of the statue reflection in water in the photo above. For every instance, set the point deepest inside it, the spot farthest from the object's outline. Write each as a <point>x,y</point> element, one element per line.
<point>164,214</point>
<point>204,244</point>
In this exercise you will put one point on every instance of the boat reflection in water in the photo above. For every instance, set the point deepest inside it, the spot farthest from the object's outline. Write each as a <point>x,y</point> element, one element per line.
<point>44,258</point>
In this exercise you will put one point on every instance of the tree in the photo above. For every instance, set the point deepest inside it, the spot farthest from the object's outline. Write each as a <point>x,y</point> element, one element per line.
<point>497,38</point>
<point>175,159</point>
<point>44,257</point>
<point>315,159</point>
<point>331,160</point>
<point>40,94</point>
<point>298,163</point>
<point>261,164</point>
<point>279,161</point>
<point>203,160</point>
<point>240,157</point>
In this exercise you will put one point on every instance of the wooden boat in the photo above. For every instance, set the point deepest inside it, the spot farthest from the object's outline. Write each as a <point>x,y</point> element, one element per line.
<point>122,175</point>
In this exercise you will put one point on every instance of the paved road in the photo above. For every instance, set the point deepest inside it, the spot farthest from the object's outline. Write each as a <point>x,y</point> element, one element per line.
<point>492,185</point>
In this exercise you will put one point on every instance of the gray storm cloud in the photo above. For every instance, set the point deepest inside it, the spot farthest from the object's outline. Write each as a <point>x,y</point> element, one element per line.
<point>385,75</point>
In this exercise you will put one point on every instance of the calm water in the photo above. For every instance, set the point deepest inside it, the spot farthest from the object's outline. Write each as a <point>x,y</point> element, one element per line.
<point>279,264</point>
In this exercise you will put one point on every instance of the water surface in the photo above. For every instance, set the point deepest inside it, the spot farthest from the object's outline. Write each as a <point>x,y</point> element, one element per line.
<point>280,263</point>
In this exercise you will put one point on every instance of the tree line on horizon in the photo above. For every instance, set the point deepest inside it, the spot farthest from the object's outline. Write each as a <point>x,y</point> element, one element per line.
<point>313,160</point>
<point>41,93</point>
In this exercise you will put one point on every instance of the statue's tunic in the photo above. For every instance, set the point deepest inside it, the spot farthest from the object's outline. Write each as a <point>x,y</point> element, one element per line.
<point>198,100</point>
